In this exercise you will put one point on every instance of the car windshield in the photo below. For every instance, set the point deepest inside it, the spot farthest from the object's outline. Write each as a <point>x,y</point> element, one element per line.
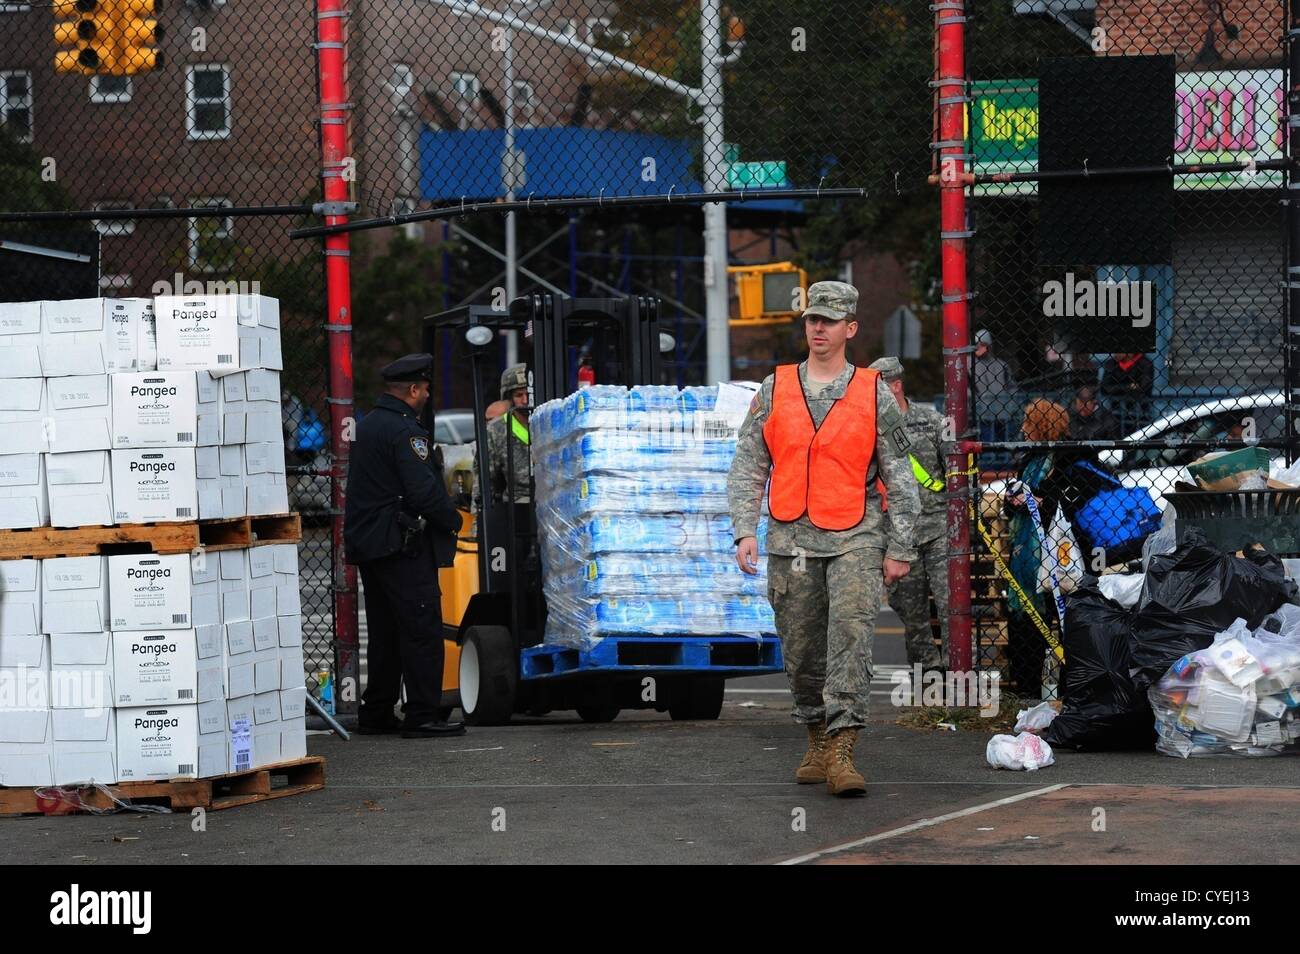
<point>1257,423</point>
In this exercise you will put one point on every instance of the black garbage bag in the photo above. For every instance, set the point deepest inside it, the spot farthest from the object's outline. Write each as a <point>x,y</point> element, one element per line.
<point>1101,707</point>
<point>1196,592</point>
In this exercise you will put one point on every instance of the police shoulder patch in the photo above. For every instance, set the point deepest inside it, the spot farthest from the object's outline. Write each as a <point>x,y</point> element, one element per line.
<point>421,447</point>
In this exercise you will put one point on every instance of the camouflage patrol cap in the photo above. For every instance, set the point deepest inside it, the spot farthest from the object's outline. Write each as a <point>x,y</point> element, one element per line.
<point>512,379</point>
<point>888,367</point>
<point>833,300</point>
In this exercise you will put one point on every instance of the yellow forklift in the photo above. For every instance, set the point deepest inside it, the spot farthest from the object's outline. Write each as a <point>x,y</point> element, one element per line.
<point>493,609</point>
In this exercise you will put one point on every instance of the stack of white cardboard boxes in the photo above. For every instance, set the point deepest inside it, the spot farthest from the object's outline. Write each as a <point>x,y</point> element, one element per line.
<point>127,668</point>
<point>108,421</point>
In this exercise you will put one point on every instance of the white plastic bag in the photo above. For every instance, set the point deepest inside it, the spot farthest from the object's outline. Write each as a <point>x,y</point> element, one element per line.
<point>1024,751</point>
<point>1123,588</point>
<point>1060,553</point>
<point>1035,720</point>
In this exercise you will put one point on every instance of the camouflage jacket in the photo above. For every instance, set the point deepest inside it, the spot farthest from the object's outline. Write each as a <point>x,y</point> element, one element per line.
<point>924,427</point>
<point>749,473</point>
<point>498,460</point>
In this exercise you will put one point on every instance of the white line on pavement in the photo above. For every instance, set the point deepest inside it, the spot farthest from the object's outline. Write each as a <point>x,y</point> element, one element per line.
<point>924,823</point>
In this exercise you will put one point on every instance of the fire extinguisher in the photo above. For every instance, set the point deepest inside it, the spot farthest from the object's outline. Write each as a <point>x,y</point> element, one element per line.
<point>586,373</point>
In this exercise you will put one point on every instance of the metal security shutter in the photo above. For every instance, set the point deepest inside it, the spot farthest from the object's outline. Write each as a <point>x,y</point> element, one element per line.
<point>1227,310</point>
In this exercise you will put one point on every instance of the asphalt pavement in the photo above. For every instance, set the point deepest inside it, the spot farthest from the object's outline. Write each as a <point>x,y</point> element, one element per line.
<point>647,790</point>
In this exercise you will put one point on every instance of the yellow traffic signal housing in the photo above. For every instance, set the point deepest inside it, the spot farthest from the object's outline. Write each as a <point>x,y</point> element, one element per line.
<point>771,294</point>
<point>83,32</point>
<point>137,34</point>
<point>106,37</point>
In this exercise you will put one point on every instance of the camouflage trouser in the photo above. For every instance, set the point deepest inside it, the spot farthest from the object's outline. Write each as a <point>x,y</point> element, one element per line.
<point>826,615</point>
<point>910,599</point>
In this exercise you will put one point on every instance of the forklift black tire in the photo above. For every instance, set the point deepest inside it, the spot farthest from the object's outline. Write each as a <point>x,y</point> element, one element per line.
<point>598,713</point>
<point>489,675</point>
<point>699,698</point>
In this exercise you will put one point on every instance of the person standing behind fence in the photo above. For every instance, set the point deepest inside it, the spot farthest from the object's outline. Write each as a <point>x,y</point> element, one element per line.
<point>994,388</point>
<point>1089,421</point>
<point>910,596</point>
<point>831,437</point>
<point>1044,421</point>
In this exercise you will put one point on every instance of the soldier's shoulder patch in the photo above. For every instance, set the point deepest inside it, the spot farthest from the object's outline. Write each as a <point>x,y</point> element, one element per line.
<point>753,404</point>
<point>901,440</point>
<point>421,447</point>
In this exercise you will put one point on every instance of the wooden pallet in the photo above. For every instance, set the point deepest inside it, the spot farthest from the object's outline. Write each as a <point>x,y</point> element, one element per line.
<point>43,543</point>
<point>180,795</point>
<point>234,533</point>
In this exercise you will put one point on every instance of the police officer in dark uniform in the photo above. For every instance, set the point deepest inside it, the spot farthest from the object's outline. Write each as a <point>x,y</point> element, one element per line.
<point>398,521</point>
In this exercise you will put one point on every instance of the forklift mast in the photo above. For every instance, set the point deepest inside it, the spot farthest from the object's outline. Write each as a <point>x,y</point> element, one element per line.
<point>621,338</point>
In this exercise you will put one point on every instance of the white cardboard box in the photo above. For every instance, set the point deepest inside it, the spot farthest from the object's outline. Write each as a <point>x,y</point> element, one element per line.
<point>290,630</point>
<point>81,413</point>
<point>74,594</point>
<point>240,725</point>
<point>220,333</point>
<point>24,497</point>
<point>267,494</point>
<point>20,597</point>
<point>26,747</point>
<point>264,458</point>
<point>24,415</point>
<point>147,352</point>
<point>222,497</point>
<point>80,489</point>
<point>293,674</point>
<point>90,335</point>
<point>148,591</point>
<point>158,667</point>
<point>155,409</point>
<point>81,671</point>
<point>214,739</point>
<point>25,672</point>
<point>154,486</point>
<point>157,742</point>
<point>20,339</point>
<point>85,746</point>
<point>208,407</point>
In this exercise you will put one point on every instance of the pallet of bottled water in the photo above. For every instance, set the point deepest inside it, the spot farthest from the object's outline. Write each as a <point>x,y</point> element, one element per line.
<point>633,519</point>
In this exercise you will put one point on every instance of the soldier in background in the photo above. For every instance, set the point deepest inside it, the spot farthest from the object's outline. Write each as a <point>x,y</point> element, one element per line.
<point>512,427</point>
<point>910,596</point>
<point>830,435</point>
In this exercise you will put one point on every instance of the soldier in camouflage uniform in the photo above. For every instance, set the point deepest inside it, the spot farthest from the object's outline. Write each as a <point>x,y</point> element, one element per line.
<point>910,596</point>
<point>826,585</point>
<point>514,426</point>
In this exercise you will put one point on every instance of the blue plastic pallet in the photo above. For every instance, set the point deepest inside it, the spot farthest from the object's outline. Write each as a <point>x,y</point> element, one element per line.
<point>720,655</point>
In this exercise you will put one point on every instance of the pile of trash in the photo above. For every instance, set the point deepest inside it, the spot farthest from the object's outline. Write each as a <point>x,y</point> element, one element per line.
<point>1119,647</point>
<point>1239,696</point>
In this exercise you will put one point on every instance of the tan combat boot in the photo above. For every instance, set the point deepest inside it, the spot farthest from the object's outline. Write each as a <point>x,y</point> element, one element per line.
<point>841,777</point>
<point>813,766</point>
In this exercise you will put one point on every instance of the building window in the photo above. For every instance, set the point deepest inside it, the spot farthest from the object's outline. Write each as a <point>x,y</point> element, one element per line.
<point>110,89</point>
<point>465,88</point>
<point>211,246</point>
<point>16,104</point>
<point>207,102</point>
<point>111,227</point>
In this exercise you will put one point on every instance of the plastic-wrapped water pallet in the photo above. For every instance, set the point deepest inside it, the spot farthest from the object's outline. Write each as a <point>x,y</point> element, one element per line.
<point>636,539</point>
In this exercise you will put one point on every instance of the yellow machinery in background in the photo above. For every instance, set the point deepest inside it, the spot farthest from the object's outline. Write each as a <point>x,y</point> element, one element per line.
<point>772,294</point>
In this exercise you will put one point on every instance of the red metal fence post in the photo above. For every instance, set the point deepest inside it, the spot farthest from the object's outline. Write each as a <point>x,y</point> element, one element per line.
<point>950,24</point>
<point>335,164</point>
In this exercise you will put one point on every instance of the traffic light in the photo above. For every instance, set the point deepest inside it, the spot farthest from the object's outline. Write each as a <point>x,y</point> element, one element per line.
<point>769,294</point>
<point>137,34</point>
<point>83,32</point>
<point>106,37</point>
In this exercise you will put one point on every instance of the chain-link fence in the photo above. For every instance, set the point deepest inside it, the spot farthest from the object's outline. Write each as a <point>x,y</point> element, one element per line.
<point>1128,262</point>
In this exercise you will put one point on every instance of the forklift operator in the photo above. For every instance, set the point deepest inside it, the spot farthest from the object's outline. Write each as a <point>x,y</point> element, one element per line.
<point>398,525</point>
<point>508,440</point>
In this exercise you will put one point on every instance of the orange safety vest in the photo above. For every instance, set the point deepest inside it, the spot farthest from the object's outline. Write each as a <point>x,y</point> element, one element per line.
<point>821,471</point>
